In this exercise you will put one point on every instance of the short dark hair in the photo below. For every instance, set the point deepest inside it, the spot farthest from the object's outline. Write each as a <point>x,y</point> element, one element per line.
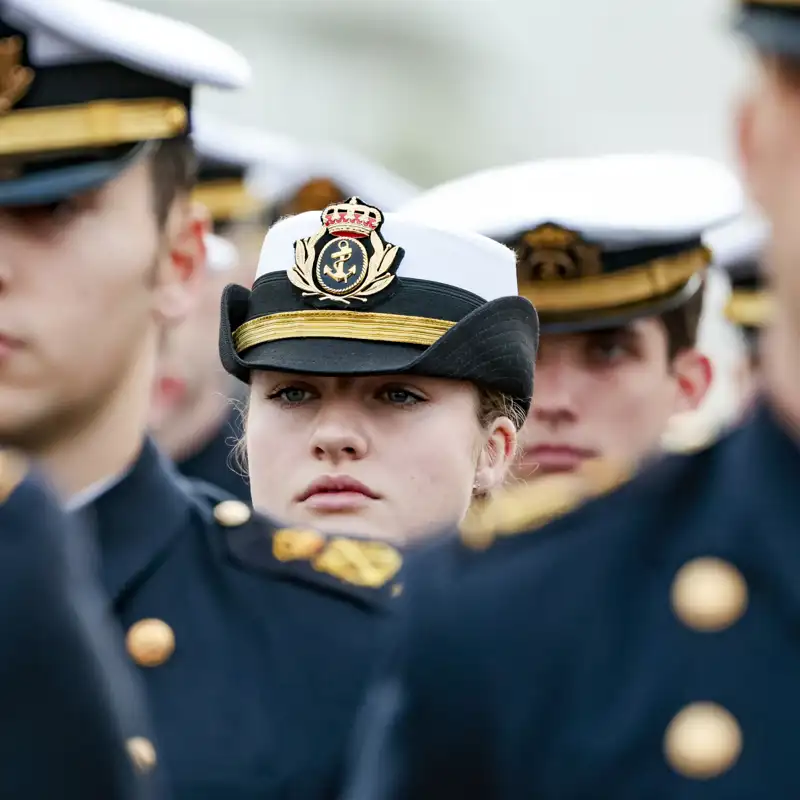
<point>682,324</point>
<point>174,170</point>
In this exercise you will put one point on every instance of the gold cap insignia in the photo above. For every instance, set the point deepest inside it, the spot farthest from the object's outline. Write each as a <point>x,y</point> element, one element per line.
<point>296,544</point>
<point>347,258</point>
<point>362,563</point>
<point>551,252</point>
<point>14,78</point>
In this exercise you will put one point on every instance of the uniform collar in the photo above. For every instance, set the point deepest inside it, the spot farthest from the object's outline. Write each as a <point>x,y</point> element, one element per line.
<point>137,518</point>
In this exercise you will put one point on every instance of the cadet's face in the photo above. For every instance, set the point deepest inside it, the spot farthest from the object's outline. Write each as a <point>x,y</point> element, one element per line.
<point>769,145</point>
<point>606,394</point>
<point>79,283</point>
<point>397,456</point>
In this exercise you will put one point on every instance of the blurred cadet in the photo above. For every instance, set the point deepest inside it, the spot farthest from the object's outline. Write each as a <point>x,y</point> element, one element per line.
<point>645,645</point>
<point>76,724</point>
<point>610,254</point>
<point>195,417</point>
<point>738,250</point>
<point>390,365</point>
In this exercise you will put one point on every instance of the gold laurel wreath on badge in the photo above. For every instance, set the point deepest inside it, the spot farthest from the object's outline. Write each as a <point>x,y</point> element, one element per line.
<point>379,265</point>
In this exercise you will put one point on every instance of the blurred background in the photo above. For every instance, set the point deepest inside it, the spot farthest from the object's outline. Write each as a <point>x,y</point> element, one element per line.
<point>436,88</point>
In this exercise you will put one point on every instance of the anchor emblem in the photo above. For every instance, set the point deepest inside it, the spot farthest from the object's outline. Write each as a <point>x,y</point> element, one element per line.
<point>339,258</point>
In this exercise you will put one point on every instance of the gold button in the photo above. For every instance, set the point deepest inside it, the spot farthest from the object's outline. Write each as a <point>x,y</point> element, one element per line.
<point>231,513</point>
<point>150,642</point>
<point>703,741</point>
<point>397,589</point>
<point>142,754</point>
<point>709,594</point>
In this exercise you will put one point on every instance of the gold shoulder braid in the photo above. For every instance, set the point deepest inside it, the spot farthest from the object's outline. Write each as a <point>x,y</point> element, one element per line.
<point>359,562</point>
<point>528,506</point>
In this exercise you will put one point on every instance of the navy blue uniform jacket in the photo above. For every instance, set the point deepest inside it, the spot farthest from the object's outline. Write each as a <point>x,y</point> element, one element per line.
<point>645,646</point>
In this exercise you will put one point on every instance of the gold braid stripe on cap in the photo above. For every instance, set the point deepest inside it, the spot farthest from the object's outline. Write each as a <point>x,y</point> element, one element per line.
<point>227,199</point>
<point>656,278</point>
<point>368,326</point>
<point>752,309</point>
<point>103,123</point>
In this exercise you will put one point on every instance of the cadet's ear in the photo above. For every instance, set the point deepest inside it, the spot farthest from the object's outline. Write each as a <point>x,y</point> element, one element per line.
<point>184,260</point>
<point>496,455</point>
<point>693,372</point>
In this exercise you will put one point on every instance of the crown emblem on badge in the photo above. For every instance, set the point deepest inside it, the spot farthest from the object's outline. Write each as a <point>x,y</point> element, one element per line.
<point>14,78</point>
<point>551,252</point>
<point>347,258</point>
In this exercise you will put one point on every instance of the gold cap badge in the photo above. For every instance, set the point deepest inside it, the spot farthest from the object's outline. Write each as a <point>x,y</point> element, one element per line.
<point>347,258</point>
<point>551,252</point>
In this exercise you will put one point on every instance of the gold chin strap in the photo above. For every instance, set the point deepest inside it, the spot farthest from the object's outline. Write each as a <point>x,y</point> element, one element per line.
<point>363,325</point>
<point>657,278</point>
<point>104,123</point>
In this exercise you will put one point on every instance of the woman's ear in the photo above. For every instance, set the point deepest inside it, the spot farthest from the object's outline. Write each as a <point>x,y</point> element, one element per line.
<point>496,456</point>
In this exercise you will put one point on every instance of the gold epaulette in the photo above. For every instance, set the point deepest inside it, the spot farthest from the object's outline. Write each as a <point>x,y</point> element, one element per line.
<point>529,506</point>
<point>13,469</point>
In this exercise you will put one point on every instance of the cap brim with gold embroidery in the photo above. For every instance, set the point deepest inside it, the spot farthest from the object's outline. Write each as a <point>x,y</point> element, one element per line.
<point>737,249</point>
<point>351,291</point>
<point>773,27</point>
<point>600,241</point>
<point>86,87</point>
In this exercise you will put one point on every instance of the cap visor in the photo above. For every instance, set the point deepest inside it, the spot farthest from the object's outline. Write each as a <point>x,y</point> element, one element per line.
<point>50,186</point>
<point>771,30</point>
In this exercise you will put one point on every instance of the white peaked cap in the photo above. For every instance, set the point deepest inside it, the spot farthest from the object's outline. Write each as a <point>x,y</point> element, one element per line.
<point>614,200</point>
<point>742,239</point>
<point>468,261</point>
<point>79,31</point>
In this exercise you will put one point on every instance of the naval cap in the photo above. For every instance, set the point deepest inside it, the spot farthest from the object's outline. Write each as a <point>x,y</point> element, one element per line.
<point>737,248</point>
<point>85,84</point>
<point>600,240</point>
<point>351,290</point>
<point>772,25</point>
<point>229,158</point>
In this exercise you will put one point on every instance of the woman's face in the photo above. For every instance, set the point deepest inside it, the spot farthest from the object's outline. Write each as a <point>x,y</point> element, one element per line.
<point>390,456</point>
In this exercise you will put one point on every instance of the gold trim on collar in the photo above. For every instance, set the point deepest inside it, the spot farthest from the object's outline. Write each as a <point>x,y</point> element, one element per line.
<point>367,326</point>
<point>656,278</point>
<point>752,309</point>
<point>104,123</point>
<point>227,199</point>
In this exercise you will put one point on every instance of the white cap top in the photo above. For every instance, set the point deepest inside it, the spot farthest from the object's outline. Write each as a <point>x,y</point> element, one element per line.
<point>374,184</point>
<point>465,260</point>
<point>81,31</point>
<point>741,240</point>
<point>241,146</point>
<point>615,200</point>
<point>221,255</point>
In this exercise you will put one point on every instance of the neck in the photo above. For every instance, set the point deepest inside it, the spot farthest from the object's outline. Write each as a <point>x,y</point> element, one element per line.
<point>196,424</point>
<point>781,367</point>
<point>111,441</point>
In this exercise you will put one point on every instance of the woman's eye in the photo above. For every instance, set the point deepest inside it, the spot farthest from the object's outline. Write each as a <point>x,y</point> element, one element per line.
<point>402,397</point>
<point>292,395</point>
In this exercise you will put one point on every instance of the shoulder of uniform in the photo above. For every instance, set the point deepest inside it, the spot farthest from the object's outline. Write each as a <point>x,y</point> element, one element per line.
<point>525,508</point>
<point>13,470</point>
<point>366,569</point>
